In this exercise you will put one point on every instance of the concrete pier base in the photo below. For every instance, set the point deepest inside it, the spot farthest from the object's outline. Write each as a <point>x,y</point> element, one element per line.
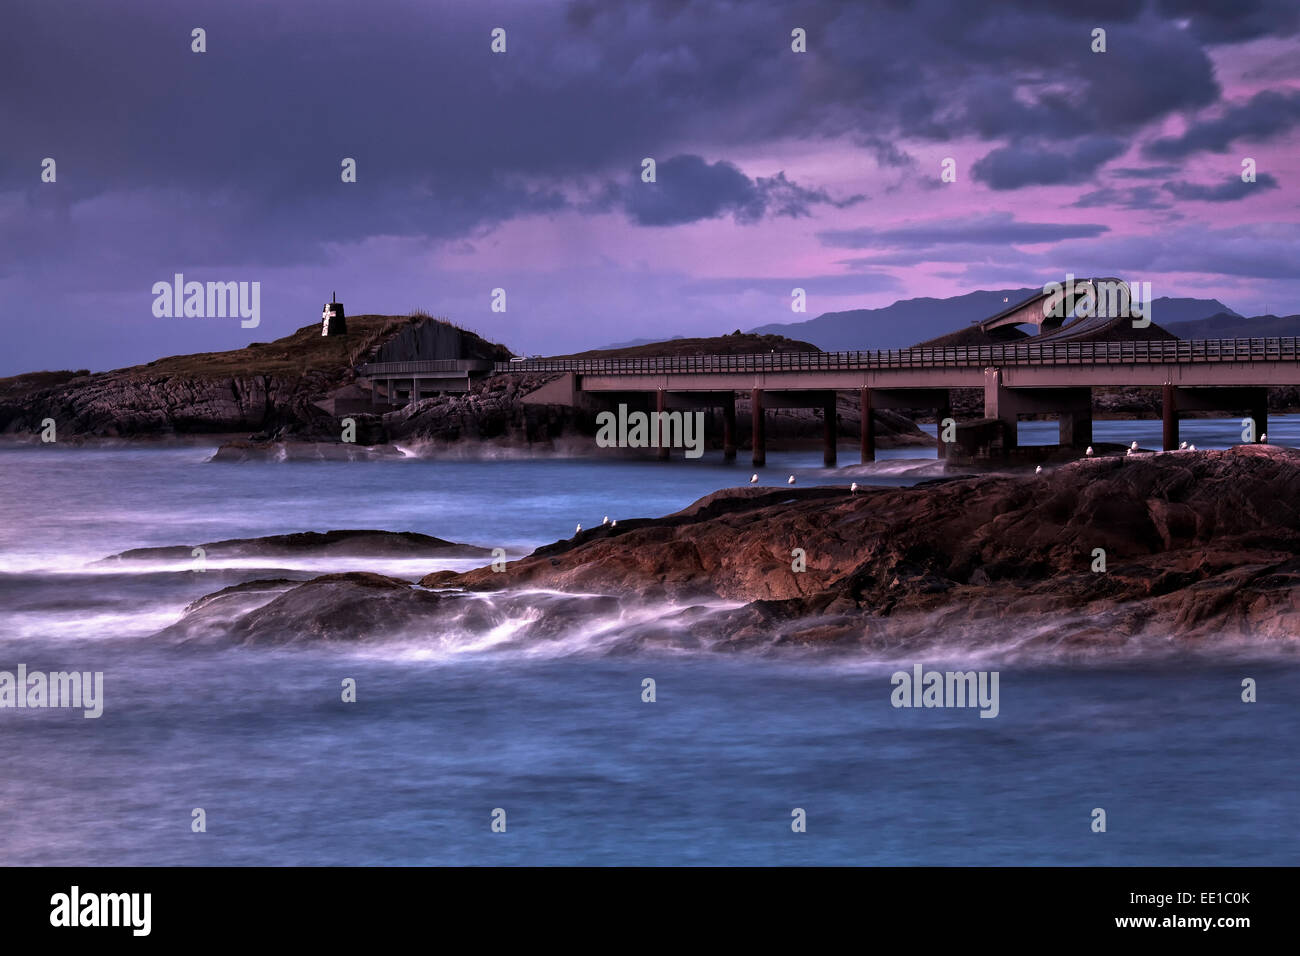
<point>729,429</point>
<point>830,432</point>
<point>759,432</point>
<point>867,437</point>
<point>1259,412</point>
<point>661,405</point>
<point>1075,429</point>
<point>1169,416</point>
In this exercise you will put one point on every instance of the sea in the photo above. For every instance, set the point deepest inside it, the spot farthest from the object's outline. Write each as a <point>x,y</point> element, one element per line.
<point>464,750</point>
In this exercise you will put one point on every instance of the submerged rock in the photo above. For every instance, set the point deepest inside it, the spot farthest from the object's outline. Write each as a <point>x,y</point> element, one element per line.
<point>358,543</point>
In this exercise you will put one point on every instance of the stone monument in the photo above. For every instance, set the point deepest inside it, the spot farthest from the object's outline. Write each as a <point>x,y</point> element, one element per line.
<point>332,320</point>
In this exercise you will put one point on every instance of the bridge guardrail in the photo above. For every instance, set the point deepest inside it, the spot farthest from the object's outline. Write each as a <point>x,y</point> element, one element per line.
<point>426,365</point>
<point>1061,353</point>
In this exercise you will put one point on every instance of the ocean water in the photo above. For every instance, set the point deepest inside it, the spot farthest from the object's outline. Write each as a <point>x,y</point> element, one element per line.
<point>446,731</point>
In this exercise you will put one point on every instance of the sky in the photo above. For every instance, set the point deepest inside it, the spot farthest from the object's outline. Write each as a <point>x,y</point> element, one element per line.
<point>522,170</point>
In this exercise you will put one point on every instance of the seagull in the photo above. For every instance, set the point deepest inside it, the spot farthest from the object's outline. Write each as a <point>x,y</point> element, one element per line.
<point>1191,448</point>
<point>1038,470</point>
<point>579,531</point>
<point>1130,453</point>
<point>853,488</point>
<point>606,520</point>
<point>1089,452</point>
<point>1263,439</point>
<point>790,480</point>
<point>613,524</point>
<point>1133,447</point>
<point>753,479</point>
<point>1182,446</point>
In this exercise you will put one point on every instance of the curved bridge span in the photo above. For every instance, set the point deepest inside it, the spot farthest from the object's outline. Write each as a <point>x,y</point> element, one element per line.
<point>1052,377</point>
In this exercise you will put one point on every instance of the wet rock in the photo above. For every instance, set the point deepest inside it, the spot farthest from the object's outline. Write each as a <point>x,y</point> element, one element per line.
<point>357,543</point>
<point>1200,547</point>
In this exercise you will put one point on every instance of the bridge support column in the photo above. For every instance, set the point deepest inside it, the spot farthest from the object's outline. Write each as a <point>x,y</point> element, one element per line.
<point>1075,429</point>
<point>941,414</point>
<point>661,436</point>
<point>1259,412</point>
<point>1169,415</point>
<point>867,430</point>
<point>830,432</point>
<point>729,429</point>
<point>998,403</point>
<point>760,436</point>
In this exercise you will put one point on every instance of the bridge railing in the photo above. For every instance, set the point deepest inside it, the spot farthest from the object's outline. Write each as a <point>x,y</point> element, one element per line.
<point>1059,353</point>
<point>380,369</point>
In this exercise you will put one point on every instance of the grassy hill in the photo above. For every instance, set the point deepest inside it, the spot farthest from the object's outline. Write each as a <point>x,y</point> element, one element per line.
<point>305,352</point>
<point>735,344</point>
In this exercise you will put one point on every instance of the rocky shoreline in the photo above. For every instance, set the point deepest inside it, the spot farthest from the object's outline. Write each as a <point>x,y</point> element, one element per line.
<point>1196,549</point>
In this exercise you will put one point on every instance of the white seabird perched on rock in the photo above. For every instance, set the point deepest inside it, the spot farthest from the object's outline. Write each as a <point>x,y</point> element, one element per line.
<point>1182,446</point>
<point>853,488</point>
<point>1191,448</point>
<point>1133,447</point>
<point>606,520</point>
<point>1263,439</point>
<point>790,480</point>
<point>579,531</point>
<point>753,479</point>
<point>1038,470</point>
<point>1089,452</point>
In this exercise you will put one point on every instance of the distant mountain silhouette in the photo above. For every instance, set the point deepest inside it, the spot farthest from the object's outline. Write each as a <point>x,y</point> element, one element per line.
<point>633,343</point>
<point>1230,325</point>
<point>909,321</point>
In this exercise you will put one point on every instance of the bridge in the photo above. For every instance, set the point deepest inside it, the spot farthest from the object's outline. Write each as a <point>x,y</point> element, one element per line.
<point>1054,374</point>
<point>397,383</point>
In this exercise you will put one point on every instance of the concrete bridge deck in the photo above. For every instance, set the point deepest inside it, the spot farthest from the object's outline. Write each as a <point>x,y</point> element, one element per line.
<point>1115,355</point>
<point>1022,378</point>
<point>397,383</point>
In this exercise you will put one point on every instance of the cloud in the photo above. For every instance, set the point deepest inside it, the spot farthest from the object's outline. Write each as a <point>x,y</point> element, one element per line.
<point>1011,167</point>
<point>1143,172</point>
<point>1228,191</point>
<point>842,284</point>
<point>999,228</point>
<point>1267,114</point>
<point>1262,251</point>
<point>230,160</point>
<point>1129,197</point>
<point>1234,21</point>
<point>690,189</point>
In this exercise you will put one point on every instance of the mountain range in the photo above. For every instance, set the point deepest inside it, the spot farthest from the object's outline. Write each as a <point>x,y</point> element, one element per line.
<point>910,321</point>
<point>1229,325</point>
